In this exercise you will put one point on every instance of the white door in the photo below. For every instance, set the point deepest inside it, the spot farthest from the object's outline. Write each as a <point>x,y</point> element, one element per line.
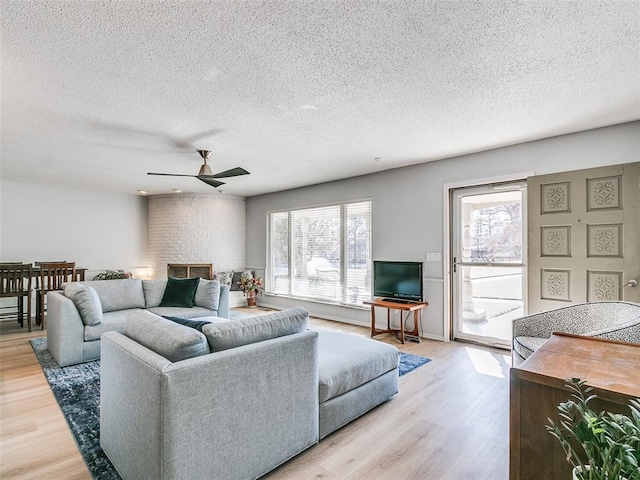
<point>583,236</point>
<point>487,265</point>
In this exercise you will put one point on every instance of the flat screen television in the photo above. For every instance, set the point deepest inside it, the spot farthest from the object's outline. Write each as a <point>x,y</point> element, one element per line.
<point>398,280</point>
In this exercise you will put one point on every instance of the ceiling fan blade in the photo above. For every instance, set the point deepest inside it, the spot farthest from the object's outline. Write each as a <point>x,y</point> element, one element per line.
<point>209,181</point>
<point>171,174</point>
<point>234,172</point>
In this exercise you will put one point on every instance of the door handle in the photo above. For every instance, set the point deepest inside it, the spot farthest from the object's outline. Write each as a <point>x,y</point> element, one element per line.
<point>631,283</point>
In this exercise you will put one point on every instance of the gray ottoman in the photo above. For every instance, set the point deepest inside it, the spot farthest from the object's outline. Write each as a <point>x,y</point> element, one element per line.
<point>355,375</point>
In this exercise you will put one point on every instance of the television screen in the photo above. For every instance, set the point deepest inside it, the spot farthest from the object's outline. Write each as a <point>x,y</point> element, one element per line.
<point>402,280</point>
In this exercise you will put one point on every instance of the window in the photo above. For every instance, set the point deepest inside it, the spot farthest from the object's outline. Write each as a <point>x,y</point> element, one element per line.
<point>321,253</point>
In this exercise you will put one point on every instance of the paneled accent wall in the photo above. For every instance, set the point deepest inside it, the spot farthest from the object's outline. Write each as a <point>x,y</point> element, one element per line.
<point>196,229</point>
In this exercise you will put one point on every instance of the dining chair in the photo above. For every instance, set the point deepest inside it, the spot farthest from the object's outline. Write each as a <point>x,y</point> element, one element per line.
<point>51,277</point>
<point>15,282</point>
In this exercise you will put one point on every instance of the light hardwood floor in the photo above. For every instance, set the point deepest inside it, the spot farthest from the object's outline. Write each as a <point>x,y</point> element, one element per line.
<point>449,421</point>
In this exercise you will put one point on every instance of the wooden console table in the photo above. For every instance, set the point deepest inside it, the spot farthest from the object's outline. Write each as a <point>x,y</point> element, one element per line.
<point>538,386</point>
<point>415,307</point>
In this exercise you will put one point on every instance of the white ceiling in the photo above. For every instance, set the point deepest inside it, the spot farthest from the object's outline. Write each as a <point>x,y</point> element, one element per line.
<point>95,94</point>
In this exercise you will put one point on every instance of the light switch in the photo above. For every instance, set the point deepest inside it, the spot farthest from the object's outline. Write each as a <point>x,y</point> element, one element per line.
<point>432,257</point>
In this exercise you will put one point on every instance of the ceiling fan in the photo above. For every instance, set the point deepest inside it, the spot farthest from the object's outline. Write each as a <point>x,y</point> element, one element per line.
<point>206,175</point>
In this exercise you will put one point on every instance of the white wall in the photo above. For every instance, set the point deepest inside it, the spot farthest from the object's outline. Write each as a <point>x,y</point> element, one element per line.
<point>408,205</point>
<point>193,228</point>
<point>96,230</point>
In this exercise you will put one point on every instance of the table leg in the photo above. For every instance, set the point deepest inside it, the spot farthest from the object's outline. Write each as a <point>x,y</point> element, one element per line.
<point>373,321</point>
<point>38,307</point>
<point>416,322</point>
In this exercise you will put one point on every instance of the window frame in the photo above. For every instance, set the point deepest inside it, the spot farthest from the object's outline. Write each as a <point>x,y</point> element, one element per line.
<point>343,260</point>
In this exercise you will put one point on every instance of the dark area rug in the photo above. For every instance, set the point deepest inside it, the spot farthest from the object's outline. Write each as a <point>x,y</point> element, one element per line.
<point>409,362</point>
<point>77,390</point>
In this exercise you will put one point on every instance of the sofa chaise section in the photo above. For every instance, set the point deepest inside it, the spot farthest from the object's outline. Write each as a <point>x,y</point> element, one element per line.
<point>356,374</point>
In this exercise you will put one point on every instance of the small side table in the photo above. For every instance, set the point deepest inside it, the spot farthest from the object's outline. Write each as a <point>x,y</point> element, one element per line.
<point>415,307</point>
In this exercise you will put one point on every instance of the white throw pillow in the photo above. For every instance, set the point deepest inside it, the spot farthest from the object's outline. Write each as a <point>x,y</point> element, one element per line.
<point>86,301</point>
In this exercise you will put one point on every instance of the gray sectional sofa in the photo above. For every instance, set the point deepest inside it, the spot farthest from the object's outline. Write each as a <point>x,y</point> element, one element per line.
<point>78,315</point>
<point>234,400</point>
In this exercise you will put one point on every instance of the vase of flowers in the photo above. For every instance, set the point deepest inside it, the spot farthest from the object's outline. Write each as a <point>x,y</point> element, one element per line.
<point>599,446</point>
<point>251,286</point>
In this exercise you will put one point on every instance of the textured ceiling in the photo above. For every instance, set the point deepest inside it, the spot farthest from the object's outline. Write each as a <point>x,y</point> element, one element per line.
<point>97,93</point>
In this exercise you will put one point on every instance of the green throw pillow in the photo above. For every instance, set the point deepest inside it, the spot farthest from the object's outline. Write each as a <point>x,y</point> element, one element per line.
<point>180,292</point>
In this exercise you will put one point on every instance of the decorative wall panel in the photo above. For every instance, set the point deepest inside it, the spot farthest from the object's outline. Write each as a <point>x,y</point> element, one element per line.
<point>556,241</point>
<point>555,197</point>
<point>604,240</point>
<point>603,193</point>
<point>555,285</point>
<point>603,286</point>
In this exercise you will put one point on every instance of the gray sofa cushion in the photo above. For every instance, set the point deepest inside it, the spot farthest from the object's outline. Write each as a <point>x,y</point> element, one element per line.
<point>348,361</point>
<point>234,333</point>
<point>86,301</point>
<point>153,292</point>
<point>173,341</point>
<point>111,322</point>
<point>207,294</point>
<point>118,294</point>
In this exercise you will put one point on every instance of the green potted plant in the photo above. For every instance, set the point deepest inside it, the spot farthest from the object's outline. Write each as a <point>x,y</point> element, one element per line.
<point>250,286</point>
<point>600,446</point>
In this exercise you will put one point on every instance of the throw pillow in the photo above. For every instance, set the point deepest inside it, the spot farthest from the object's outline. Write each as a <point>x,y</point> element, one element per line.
<point>197,324</point>
<point>180,292</point>
<point>207,294</point>
<point>86,301</point>
<point>235,281</point>
<point>224,277</point>
<point>153,292</point>
<point>235,333</point>
<point>113,275</point>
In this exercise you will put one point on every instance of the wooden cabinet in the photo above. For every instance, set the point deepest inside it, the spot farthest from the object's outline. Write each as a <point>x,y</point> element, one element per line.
<point>190,270</point>
<point>538,386</point>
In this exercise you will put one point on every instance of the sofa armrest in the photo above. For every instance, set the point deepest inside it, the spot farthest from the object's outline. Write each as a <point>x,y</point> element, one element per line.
<point>541,325</point>
<point>238,413</point>
<point>579,319</point>
<point>223,303</point>
<point>65,330</point>
<point>628,332</point>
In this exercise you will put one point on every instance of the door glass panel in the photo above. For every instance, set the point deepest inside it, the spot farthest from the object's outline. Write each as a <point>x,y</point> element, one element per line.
<point>488,278</point>
<point>492,299</point>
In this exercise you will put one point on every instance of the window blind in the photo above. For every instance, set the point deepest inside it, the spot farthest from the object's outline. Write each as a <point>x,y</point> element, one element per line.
<point>321,253</point>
